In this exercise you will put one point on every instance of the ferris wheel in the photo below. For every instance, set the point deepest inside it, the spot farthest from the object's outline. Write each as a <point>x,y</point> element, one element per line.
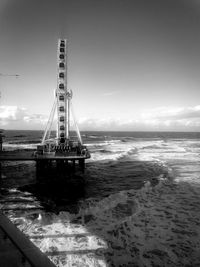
<point>62,102</point>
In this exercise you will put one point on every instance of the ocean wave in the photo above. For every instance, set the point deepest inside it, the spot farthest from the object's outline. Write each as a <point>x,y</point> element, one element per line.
<point>104,151</point>
<point>94,136</point>
<point>117,207</point>
<point>153,146</point>
<point>19,146</point>
<point>149,150</point>
<point>128,139</point>
<point>101,143</point>
<point>107,155</point>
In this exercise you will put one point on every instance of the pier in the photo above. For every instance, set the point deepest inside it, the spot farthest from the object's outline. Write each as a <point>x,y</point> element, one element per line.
<point>16,250</point>
<point>64,150</point>
<point>45,161</point>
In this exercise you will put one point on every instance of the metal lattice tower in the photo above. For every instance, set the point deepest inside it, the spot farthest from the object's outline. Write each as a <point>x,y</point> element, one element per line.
<point>62,101</point>
<point>63,95</point>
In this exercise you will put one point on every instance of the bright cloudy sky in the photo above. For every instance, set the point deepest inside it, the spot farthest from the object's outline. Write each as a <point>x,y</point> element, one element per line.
<point>132,64</point>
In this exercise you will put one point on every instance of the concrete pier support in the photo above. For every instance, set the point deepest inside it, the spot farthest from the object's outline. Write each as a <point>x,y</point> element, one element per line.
<point>59,167</point>
<point>73,165</point>
<point>39,166</point>
<point>82,165</point>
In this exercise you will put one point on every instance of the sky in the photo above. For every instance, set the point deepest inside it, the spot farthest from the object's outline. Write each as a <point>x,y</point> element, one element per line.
<point>133,65</point>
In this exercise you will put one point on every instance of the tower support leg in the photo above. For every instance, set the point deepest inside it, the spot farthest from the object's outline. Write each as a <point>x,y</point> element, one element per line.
<point>73,165</point>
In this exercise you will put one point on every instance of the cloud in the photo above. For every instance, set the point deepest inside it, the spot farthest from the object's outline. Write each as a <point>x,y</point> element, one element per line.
<point>13,117</point>
<point>173,113</point>
<point>112,124</point>
<point>157,119</point>
<point>174,118</point>
<point>36,118</point>
<point>11,113</point>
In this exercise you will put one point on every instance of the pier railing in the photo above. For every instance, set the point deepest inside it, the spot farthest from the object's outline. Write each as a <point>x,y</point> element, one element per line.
<point>29,252</point>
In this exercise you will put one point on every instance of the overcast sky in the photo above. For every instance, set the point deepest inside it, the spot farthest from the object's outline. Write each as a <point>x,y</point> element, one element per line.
<point>132,64</point>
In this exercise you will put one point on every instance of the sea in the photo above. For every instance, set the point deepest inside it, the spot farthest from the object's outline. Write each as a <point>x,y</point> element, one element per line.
<point>136,204</point>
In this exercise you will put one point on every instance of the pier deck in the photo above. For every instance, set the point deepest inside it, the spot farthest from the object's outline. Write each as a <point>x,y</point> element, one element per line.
<point>29,156</point>
<point>16,250</point>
